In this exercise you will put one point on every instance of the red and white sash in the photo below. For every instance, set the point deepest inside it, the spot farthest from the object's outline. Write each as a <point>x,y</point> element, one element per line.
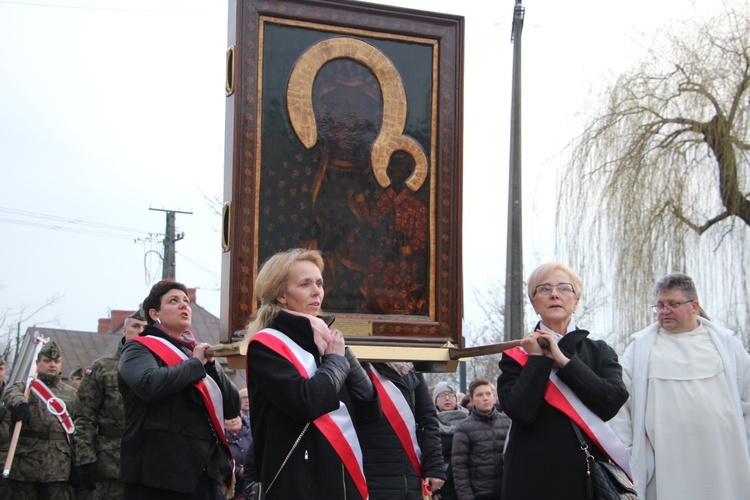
<point>336,426</point>
<point>207,387</point>
<point>560,396</point>
<point>396,409</point>
<point>55,405</point>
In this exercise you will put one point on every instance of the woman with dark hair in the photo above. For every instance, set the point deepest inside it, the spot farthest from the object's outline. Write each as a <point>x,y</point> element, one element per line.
<point>558,377</point>
<point>176,398</point>
<point>307,390</point>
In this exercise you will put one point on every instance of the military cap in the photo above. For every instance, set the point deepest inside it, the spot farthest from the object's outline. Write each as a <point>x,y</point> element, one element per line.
<point>138,314</point>
<point>77,372</point>
<point>50,350</point>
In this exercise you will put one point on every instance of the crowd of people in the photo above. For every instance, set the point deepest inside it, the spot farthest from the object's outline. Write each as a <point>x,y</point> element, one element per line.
<point>160,419</point>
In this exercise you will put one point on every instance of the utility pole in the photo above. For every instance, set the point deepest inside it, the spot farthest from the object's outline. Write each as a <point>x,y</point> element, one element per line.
<point>170,238</point>
<point>514,253</point>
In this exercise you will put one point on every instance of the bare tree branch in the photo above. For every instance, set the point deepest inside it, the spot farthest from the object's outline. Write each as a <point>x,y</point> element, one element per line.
<point>663,165</point>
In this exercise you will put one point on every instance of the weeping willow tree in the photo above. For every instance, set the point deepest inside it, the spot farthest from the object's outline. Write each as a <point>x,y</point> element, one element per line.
<point>659,181</point>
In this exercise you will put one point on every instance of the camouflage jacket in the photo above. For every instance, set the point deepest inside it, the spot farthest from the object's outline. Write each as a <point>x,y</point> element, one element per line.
<point>39,459</point>
<point>100,417</point>
<point>4,426</point>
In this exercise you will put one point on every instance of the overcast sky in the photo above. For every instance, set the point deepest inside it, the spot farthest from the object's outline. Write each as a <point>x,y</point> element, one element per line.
<point>111,107</point>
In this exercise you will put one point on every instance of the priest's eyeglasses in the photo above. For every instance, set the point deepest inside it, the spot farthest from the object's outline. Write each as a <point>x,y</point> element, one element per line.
<point>545,289</point>
<point>670,305</point>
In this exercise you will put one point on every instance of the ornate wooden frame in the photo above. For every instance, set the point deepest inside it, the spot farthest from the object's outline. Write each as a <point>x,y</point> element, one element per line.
<point>275,42</point>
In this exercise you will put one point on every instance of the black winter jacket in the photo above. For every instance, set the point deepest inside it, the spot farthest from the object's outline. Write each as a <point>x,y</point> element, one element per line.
<point>541,437</point>
<point>168,440</point>
<point>390,475</point>
<point>477,459</point>
<point>282,401</point>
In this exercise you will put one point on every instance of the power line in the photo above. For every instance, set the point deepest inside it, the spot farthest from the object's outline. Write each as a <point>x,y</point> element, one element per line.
<point>69,230</point>
<point>88,7</point>
<point>191,260</point>
<point>76,226</point>
<point>67,220</point>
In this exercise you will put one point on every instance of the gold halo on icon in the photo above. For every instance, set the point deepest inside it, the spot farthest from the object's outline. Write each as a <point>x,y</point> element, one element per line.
<point>391,137</point>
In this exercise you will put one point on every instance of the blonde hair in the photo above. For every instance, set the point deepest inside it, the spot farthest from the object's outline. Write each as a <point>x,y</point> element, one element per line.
<point>536,276</point>
<point>272,280</point>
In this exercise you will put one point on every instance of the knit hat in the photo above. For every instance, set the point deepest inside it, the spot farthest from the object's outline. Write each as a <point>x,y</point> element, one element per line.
<point>440,388</point>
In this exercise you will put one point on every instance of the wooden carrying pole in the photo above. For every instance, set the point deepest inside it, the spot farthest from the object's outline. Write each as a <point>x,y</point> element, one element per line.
<point>14,439</point>
<point>39,342</point>
<point>454,353</point>
<point>484,350</point>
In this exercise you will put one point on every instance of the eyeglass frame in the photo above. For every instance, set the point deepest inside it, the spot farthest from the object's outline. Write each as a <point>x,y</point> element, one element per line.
<point>446,395</point>
<point>671,306</point>
<point>537,292</point>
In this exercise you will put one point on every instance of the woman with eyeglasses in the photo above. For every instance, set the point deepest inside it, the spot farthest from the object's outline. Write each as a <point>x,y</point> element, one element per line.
<point>556,379</point>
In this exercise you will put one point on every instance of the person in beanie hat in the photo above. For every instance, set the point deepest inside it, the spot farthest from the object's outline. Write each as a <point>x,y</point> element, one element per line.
<point>100,419</point>
<point>44,455</point>
<point>444,397</point>
<point>449,415</point>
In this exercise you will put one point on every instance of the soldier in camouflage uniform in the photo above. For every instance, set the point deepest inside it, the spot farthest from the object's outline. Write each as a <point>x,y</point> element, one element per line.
<point>44,456</point>
<point>99,419</point>
<point>4,416</point>
<point>75,377</point>
<point>4,428</point>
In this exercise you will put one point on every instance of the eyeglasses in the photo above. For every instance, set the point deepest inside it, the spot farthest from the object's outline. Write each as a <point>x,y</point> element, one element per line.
<point>669,305</point>
<point>546,289</point>
<point>446,395</point>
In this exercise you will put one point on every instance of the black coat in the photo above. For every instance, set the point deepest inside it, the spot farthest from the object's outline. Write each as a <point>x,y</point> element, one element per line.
<point>168,440</point>
<point>543,459</point>
<point>478,455</point>
<point>241,444</point>
<point>282,401</point>
<point>390,474</point>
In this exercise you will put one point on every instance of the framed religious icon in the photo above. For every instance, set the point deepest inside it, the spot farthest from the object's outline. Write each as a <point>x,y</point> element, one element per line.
<point>344,135</point>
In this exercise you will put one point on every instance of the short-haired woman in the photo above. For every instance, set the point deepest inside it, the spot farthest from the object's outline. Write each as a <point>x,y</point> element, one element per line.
<point>176,398</point>
<point>557,376</point>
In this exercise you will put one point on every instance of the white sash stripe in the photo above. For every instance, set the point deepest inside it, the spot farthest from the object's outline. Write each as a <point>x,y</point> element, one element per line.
<point>211,385</point>
<point>44,393</point>
<point>403,408</point>
<point>340,416</point>
<point>607,438</point>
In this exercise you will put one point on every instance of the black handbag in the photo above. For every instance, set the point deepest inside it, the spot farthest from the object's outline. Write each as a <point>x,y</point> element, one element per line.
<point>255,492</point>
<point>605,480</point>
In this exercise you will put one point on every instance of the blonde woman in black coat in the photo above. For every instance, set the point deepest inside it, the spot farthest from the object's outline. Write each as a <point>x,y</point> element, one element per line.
<point>302,382</point>
<point>543,459</point>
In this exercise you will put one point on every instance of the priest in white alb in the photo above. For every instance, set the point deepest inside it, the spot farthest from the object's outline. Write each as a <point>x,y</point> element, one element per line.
<point>687,420</point>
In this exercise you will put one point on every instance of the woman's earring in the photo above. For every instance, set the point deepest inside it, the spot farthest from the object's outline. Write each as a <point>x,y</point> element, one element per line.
<point>158,320</point>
